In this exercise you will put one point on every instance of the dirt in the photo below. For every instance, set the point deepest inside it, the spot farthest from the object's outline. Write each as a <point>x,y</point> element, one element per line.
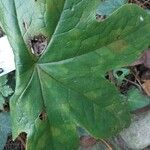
<point>100,17</point>
<point>38,44</point>
<point>18,144</point>
<point>143,3</point>
<point>42,115</point>
<point>1,32</point>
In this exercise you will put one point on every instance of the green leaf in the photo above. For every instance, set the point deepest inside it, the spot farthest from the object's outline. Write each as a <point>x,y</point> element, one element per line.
<point>136,99</point>
<point>3,80</point>
<point>67,82</point>
<point>5,90</point>
<point>5,128</point>
<point>120,74</point>
<point>2,101</point>
<point>109,6</point>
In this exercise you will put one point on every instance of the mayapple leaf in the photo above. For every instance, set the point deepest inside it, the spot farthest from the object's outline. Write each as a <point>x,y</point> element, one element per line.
<point>109,6</point>
<point>136,99</point>
<point>65,87</point>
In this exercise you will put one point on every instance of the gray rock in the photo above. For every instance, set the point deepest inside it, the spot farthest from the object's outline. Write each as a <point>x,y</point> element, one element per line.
<point>98,146</point>
<point>137,136</point>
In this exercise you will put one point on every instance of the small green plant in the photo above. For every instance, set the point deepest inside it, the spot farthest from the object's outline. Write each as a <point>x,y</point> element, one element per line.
<point>5,123</point>
<point>5,91</point>
<point>62,54</point>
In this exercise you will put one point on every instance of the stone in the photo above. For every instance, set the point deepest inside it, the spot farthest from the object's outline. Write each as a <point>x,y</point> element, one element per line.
<point>137,136</point>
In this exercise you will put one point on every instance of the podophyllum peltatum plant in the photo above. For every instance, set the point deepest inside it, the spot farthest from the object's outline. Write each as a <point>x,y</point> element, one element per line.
<point>66,83</point>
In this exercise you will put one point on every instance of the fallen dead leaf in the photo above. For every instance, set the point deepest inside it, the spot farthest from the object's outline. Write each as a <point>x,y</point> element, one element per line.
<point>87,141</point>
<point>146,87</point>
<point>144,59</point>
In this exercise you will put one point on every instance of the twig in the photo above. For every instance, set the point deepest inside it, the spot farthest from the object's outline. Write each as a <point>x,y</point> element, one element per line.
<point>137,79</point>
<point>111,77</point>
<point>107,144</point>
<point>22,142</point>
<point>134,83</point>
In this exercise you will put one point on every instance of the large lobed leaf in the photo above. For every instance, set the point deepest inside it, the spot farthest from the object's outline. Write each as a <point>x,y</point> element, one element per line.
<point>67,82</point>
